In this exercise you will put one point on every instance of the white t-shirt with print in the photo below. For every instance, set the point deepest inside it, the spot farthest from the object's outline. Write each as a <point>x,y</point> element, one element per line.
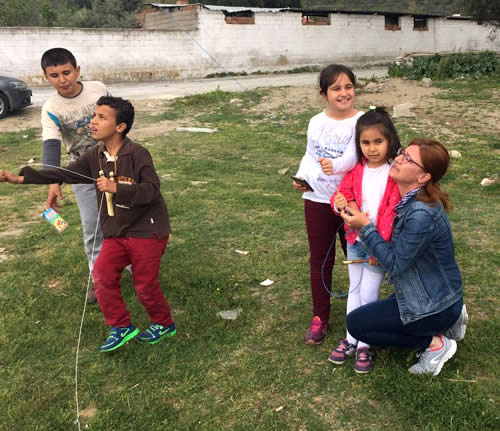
<point>333,139</point>
<point>67,119</point>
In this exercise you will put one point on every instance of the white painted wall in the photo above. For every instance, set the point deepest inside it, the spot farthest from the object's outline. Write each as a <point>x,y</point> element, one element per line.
<point>276,41</point>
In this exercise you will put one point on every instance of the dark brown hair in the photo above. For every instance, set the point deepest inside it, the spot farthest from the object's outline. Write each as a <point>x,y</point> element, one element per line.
<point>124,110</point>
<point>57,57</point>
<point>435,159</point>
<point>379,118</point>
<point>330,74</point>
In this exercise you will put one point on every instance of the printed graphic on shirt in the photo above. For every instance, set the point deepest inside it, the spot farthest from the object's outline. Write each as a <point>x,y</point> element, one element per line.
<point>331,143</point>
<point>75,130</point>
<point>68,120</point>
<point>124,180</point>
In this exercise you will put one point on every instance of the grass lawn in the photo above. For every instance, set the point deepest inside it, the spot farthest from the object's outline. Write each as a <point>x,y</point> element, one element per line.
<point>224,192</point>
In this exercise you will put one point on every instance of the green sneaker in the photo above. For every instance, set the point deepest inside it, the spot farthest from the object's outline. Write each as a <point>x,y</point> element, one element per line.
<point>118,337</point>
<point>156,332</point>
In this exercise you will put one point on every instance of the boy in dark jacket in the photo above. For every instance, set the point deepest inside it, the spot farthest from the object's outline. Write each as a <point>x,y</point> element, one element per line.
<point>133,218</point>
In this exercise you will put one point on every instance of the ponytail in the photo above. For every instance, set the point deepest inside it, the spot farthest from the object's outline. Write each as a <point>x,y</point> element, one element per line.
<point>435,159</point>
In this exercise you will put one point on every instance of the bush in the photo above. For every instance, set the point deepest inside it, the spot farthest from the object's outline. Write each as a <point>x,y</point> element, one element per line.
<point>446,66</point>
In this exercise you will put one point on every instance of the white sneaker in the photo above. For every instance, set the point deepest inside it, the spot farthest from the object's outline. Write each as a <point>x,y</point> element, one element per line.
<point>457,331</point>
<point>431,362</point>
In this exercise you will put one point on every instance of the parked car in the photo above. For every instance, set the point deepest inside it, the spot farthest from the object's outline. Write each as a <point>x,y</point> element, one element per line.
<point>14,94</point>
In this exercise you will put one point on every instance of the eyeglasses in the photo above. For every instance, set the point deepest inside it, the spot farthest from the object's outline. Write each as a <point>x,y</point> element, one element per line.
<point>407,158</point>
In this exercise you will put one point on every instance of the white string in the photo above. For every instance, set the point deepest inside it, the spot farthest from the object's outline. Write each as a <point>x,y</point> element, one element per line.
<point>216,62</point>
<point>77,420</point>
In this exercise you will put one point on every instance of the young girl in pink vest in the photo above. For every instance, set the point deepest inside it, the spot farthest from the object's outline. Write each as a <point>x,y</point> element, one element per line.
<point>369,188</point>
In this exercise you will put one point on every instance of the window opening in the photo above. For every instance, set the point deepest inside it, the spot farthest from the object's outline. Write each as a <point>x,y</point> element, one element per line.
<point>242,17</point>
<point>420,24</point>
<point>392,22</point>
<point>316,19</point>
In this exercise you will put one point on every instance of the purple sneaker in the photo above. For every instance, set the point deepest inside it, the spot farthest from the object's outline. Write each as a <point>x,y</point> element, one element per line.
<point>364,363</point>
<point>317,331</point>
<point>343,351</point>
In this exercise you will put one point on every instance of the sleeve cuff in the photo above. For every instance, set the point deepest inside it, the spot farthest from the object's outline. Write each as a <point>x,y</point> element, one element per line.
<point>366,230</point>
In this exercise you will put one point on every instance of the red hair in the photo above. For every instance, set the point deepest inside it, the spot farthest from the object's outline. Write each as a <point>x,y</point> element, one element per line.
<point>435,159</point>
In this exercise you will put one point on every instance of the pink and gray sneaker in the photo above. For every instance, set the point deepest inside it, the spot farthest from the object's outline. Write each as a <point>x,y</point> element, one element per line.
<point>364,360</point>
<point>342,352</point>
<point>317,331</point>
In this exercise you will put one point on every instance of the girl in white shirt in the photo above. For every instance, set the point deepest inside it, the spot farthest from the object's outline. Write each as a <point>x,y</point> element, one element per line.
<point>330,153</point>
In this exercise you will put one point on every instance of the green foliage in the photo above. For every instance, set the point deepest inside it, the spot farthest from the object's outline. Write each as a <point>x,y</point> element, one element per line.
<point>69,13</point>
<point>484,11</point>
<point>446,66</point>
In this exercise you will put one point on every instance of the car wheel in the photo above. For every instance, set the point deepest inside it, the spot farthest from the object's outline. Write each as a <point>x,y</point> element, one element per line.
<point>4,106</point>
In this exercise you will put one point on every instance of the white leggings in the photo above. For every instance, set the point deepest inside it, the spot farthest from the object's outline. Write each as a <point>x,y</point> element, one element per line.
<point>363,289</point>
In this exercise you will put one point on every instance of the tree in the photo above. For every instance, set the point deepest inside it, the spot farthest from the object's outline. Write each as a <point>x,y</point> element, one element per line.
<point>69,13</point>
<point>487,11</point>
<point>29,13</point>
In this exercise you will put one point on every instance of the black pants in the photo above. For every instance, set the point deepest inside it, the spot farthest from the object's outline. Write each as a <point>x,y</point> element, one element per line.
<point>379,323</point>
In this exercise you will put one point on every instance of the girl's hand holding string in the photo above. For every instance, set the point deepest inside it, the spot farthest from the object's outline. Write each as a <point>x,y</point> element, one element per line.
<point>326,165</point>
<point>106,185</point>
<point>357,220</point>
<point>7,177</point>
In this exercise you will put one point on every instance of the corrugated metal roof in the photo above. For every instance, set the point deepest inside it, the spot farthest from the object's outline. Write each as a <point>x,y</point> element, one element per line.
<point>242,8</point>
<point>232,9</point>
<point>359,12</point>
<point>229,9</point>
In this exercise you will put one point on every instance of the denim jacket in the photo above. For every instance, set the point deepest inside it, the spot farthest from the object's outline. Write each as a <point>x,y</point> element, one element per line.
<point>419,258</point>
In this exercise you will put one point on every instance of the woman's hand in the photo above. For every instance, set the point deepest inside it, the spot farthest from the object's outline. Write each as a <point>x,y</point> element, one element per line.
<point>357,220</point>
<point>299,187</point>
<point>326,165</point>
<point>106,185</point>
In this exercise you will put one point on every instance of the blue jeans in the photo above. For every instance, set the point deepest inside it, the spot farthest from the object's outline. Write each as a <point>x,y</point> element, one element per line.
<point>85,195</point>
<point>356,251</point>
<point>379,323</point>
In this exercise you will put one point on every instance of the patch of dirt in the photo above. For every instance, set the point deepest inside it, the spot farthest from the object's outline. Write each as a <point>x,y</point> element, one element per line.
<point>3,255</point>
<point>446,117</point>
<point>56,285</point>
<point>397,91</point>
<point>11,232</point>
<point>89,412</point>
<point>28,118</point>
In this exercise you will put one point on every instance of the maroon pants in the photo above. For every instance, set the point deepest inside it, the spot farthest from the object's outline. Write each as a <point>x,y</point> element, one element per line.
<point>145,255</point>
<point>322,224</point>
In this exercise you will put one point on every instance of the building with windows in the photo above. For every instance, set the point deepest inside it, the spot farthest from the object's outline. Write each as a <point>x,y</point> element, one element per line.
<point>178,41</point>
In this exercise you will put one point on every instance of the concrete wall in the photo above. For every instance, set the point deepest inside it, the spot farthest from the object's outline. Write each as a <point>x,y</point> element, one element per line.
<point>108,55</point>
<point>276,41</point>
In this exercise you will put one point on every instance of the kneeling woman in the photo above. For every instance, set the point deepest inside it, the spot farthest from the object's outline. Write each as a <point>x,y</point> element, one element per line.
<point>420,260</point>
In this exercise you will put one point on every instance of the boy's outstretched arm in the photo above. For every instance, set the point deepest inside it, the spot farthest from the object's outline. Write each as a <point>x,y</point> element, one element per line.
<point>8,177</point>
